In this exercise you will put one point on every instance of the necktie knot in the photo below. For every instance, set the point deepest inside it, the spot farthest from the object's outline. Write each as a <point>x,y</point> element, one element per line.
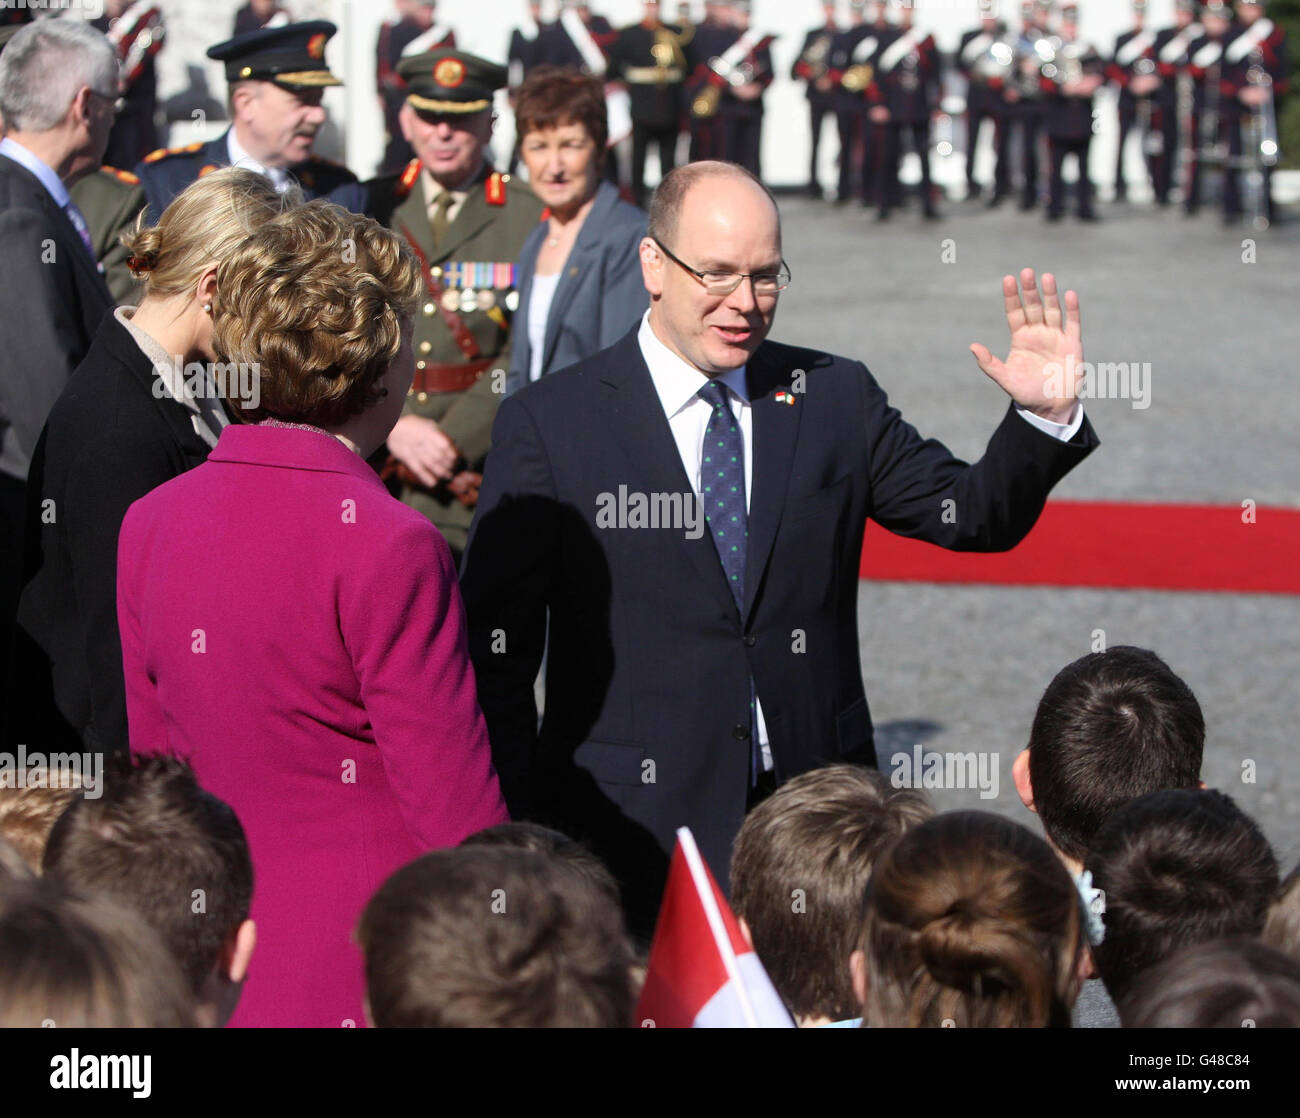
<point>715,394</point>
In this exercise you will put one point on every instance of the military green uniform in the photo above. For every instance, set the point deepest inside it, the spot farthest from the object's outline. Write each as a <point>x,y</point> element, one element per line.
<point>111,200</point>
<point>474,268</point>
<point>470,271</point>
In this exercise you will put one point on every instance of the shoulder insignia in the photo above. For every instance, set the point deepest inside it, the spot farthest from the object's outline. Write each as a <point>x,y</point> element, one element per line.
<point>207,169</point>
<point>494,189</point>
<point>121,176</point>
<point>407,180</point>
<point>163,153</point>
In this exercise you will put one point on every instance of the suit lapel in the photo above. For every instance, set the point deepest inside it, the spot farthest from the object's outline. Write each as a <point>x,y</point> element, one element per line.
<point>585,254</point>
<point>411,217</point>
<point>776,431</point>
<point>635,418</point>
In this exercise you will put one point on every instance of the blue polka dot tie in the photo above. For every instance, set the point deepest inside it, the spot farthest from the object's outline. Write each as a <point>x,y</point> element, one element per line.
<point>722,487</point>
<point>722,492</point>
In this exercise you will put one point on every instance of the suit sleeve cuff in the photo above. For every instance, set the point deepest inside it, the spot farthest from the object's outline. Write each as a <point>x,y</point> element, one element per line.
<point>1062,431</point>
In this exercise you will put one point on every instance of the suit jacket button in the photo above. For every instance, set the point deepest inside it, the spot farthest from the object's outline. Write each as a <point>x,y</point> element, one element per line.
<point>740,732</point>
<point>750,640</point>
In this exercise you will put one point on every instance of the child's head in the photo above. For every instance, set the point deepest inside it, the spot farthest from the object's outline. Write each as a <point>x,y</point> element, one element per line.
<point>28,813</point>
<point>1177,867</point>
<point>798,871</point>
<point>1282,926</point>
<point>74,962</point>
<point>1225,984</point>
<point>489,936</point>
<point>971,919</point>
<point>159,844</point>
<point>543,840</point>
<point>1111,726</point>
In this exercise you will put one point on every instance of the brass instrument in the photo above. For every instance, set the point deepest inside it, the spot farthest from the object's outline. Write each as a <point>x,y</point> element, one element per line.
<point>706,102</point>
<point>996,62</point>
<point>817,57</point>
<point>1064,65</point>
<point>858,77</point>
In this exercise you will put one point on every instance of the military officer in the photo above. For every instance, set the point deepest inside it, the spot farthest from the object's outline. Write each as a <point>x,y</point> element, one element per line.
<point>1070,80</point>
<point>813,68</point>
<point>277,78</point>
<point>649,59</point>
<point>111,200</point>
<point>853,55</point>
<point>750,60</point>
<point>466,224</point>
<point>1212,112</point>
<point>712,37</point>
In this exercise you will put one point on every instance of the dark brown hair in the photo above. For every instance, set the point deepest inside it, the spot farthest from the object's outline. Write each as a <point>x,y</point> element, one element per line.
<point>551,97</point>
<point>156,842</point>
<point>82,962</point>
<point>1111,726</point>
<point>570,853</point>
<point>798,871</point>
<point>971,919</point>
<point>1227,984</point>
<point>1177,868</point>
<point>1282,926</point>
<point>489,937</point>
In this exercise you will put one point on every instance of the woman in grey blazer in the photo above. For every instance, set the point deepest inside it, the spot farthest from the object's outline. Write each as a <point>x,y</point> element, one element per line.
<point>579,276</point>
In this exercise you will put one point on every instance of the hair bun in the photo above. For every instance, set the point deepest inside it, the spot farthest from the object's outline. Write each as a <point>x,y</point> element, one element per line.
<point>142,263</point>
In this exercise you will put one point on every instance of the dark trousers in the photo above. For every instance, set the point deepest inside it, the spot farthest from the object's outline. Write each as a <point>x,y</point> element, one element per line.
<point>707,138</point>
<point>1164,120</point>
<point>817,112</point>
<point>1060,148</point>
<point>852,127</point>
<point>1030,118</point>
<point>889,190</point>
<point>1200,140</point>
<point>743,140</point>
<point>1127,118</point>
<point>665,141</point>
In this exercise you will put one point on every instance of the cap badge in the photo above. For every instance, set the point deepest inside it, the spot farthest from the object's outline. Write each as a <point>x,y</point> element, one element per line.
<point>449,73</point>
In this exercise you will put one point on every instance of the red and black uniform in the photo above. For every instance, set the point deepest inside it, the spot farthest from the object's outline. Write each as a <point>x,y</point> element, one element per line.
<point>985,81</point>
<point>855,50</point>
<point>1257,55</point>
<point>811,67</point>
<point>1068,123</point>
<point>137,36</point>
<point>908,83</point>
<point>1134,55</point>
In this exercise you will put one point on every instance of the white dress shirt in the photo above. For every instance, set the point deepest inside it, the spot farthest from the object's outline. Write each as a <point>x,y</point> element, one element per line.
<point>678,385</point>
<point>279,176</point>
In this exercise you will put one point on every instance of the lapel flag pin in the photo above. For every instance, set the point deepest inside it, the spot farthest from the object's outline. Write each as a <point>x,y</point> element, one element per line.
<point>784,397</point>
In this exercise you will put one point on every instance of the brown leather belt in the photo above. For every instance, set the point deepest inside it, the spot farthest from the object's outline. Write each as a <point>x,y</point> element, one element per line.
<point>449,378</point>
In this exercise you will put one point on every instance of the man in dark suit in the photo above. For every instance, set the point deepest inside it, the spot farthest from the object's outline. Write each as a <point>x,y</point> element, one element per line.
<point>277,77</point>
<point>58,88</point>
<point>696,661</point>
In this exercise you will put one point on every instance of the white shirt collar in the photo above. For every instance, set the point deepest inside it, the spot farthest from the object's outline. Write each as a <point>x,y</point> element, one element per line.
<point>239,157</point>
<point>25,157</point>
<point>676,382</point>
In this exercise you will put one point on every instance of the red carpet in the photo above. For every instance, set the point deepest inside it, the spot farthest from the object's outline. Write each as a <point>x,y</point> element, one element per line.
<point>1092,543</point>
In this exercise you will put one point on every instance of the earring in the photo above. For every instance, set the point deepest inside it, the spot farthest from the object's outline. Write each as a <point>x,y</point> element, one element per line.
<point>207,307</point>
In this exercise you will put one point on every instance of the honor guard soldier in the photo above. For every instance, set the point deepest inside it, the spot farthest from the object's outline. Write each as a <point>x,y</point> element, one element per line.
<point>1212,110</point>
<point>704,85</point>
<point>277,78</point>
<point>257,14</point>
<point>466,224</point>
<point>1133,70</point>
<point>1174,94</point>
<point>813,68</point>
<point>522,58</point>
<point>1027,93</point>
<point>908,73</point>
<point>1256,70</point>
<point>1071,77</point>
<point>984,58</point>
<point>853,56</point>
<point>749,72</point>
<point>415,31</point>
<point>136,31</point>
<point>578,39</point>
<point>649,58</point>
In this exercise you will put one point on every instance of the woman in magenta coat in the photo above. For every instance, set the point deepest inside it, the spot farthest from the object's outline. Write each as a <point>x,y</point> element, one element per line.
<point>290,629</point>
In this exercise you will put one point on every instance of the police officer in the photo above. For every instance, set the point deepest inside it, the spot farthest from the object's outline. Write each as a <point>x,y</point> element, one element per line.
<point>277,78</point>
<point>983,58</point>
<point>649,59</point>
<point>1171,54</point>
<point>813,68</point>
<point>466,223</point>
<point>1133,70</point>
<point>1070,80</point>
<point>415,31</point>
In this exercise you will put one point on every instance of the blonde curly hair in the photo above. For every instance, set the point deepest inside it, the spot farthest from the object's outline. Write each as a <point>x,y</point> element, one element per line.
<point>317,299</point>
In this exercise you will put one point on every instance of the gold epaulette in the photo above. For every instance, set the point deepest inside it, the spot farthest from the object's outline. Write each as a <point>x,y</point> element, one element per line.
<point>121,176</point>
<point>163,153</point>
<point>494,189</point>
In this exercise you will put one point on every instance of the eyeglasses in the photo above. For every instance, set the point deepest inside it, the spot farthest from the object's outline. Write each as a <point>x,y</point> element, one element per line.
<point>765,284</point>
<point>118,103</point>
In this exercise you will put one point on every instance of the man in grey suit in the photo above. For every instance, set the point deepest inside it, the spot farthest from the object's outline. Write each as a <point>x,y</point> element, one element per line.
<point>58,93</point>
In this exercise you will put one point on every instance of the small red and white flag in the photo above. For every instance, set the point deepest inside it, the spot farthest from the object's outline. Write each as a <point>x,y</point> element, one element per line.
<point>702,973</point>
